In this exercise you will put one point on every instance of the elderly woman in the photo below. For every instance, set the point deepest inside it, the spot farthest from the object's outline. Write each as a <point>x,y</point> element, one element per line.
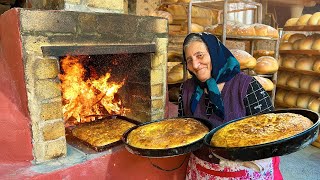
<point>219,92</point>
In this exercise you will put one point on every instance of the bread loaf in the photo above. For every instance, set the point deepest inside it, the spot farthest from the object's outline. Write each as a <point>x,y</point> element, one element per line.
<point>245,30</point>
<point>184,1</point>
<point>243,57</point>
<point>303,20</point>
<point>316,45</point>
<point>295,37</point>
<point>280,93</point>
<point>306,44</point>
<point>265,30</point>
<point>316,66</point>
<point>194,27</point>
<point>291,98</point>
<point>266,83</point>
<point>314,105</point>
<point>170,1</point>
<point>305,82</point>
<point>293,81</point>
<point>291,22</point>
<point>289,62</point>
<point>315,85</point>
<point>175,75</point>
<point>285,46</point>
<point>296,44</point>
<point>314,19</point>
<point>303,100</point>
<point>283,78</point>
<point>163,14</point>
<point>305,63</point>
<point>286,37</point>
<point>266,65</point>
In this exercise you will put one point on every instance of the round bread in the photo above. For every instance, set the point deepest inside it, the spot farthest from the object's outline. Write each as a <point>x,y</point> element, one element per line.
<point>306,44</point>
<point>266,65</point>
<point>283,78</point>
<point>245,30</point>
<point>251,64</point>
<point>291,22</point>
<point>175,75</point>
<point>285,46</point>
<point>314,19</point>
<point>305,82</point>
<point>316,66</point>
<point>289,62</point>
<point>280,94</point>
<point>303,20</point>
<point>243,57</point>
<point>295,37</point>
<point>266,83</point>
<point>291,98</point>
<point>314,105</point>
<point>265,30</point>
<point>316,45</point>
<point>296,44</point>
<point>315,85</point>
<point>174,56</point>
<point>293,81</point>
<point>194,27</point>
<point>217,28</point>
<point>163,14</point>
<point>286,37</point>
<point>303,100</point>
<point>305,63</point>
<point>261,52</point>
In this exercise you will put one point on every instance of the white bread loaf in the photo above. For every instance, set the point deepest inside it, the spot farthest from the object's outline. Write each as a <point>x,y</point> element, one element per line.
<point>243,57</point>
<point>315,85</point>
<point>314,19</point>
<point>280,94</point>
<point>295,37</point>
<point>266,65</point>
<point>305,63</point>
<point>291,98</point>
<point>289,62</point>
<point>293,81</point>
<point>285,46</point>
<point>291,22</point>
<point>245,30</point>
<point>265,30</point>
<point>314,105</point>
<point>303,100</point>
<point>296,44</point>
<point>175,75</point>
<point>306,44</point>
<point>286,37</point>
<point>316,66</point>
<point>303,20</point>
<point>305,82</point>
<point>266,83</point>
<point>163,14</point>
<point>316,45</point>
<point>194,27</point>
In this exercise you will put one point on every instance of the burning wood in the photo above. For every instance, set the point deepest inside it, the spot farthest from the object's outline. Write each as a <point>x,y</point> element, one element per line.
<point>86,95</point>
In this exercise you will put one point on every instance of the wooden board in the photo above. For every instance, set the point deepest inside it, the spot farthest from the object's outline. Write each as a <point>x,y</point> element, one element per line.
<point>311,73</point>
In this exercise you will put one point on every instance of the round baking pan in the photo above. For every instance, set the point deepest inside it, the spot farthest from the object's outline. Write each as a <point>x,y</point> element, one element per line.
<point>276,148</point>
<point>169,151</point>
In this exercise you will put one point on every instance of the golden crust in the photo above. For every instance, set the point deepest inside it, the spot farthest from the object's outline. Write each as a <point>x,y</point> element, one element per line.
<point>260,129</point>
<point>102,133</point>
<point>169,133</point>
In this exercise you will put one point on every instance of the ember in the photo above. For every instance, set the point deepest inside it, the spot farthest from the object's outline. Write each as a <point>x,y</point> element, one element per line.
<point>86,95</point>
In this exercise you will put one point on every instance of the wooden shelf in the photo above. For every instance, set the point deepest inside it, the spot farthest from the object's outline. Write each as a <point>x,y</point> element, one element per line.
<point>302,28</point>
<point>311,73</point>
<point>298,90</point>
<point>305,52</point>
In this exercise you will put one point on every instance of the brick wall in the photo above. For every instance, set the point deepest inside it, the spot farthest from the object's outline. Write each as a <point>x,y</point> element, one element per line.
<point>57,28</point>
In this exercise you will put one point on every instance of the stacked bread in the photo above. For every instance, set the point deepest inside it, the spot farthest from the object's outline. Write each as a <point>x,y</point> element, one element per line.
<point>175,74</point>
<point>300,41</point>
<point>304,20</point>
<point>303,82</point>
<point>266,65</point>
<point>245,59</point>
<point>237,29</point>
<point>305,63</point>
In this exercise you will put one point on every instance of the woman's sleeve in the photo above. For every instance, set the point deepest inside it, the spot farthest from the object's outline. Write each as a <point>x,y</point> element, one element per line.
<point>257,99</point>
<point>180,103</point>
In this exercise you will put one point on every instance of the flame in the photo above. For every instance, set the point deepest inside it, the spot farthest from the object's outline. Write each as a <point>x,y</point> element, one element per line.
<point>86,99</point>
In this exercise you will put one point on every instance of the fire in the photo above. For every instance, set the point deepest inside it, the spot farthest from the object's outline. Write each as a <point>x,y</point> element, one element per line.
<point>85,98</point>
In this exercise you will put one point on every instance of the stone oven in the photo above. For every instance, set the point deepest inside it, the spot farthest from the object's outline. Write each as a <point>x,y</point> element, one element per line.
<point>32,44</point>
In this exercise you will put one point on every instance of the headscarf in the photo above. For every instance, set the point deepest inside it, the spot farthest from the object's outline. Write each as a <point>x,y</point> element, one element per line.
<point>224,67</point>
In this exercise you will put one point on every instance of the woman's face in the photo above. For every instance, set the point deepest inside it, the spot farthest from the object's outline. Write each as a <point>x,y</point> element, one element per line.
<point>198,60</point>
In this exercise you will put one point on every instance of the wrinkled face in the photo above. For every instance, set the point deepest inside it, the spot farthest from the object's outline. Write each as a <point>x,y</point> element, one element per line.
<point>198,60</point>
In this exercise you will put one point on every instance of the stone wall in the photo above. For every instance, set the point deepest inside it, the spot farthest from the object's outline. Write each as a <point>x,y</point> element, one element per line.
<point>57,28</point>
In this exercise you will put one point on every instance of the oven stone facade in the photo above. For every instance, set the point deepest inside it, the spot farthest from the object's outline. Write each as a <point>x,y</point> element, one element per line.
<point>60,28</point>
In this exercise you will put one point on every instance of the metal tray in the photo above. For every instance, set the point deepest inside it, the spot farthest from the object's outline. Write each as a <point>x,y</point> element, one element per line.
<point>87,147</point>
<point>165,152</point>
<point>276,148</point>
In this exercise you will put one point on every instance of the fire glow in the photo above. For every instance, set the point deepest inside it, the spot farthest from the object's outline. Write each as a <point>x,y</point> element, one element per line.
<point>86,98</point>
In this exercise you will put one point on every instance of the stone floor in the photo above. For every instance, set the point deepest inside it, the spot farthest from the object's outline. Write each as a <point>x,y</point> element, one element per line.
<point>301,165</point>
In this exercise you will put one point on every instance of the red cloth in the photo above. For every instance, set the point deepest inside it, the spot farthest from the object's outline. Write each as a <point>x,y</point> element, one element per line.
<point>276,168</point>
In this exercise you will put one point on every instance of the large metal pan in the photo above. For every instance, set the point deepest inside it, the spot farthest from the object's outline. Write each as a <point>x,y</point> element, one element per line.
<point>276,148</point>
<point>165,152</point>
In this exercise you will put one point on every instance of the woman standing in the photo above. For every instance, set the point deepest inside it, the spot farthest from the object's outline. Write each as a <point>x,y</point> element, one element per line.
<point>219,92</point>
